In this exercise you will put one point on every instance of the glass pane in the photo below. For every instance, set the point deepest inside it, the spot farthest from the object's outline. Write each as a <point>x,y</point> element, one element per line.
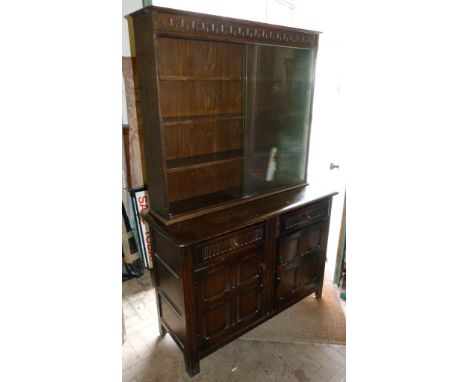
<point>236,120</point>
<point>278,97</point>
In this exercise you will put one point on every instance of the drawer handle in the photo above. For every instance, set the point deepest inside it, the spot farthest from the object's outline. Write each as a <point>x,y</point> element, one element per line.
<point>278,271</point>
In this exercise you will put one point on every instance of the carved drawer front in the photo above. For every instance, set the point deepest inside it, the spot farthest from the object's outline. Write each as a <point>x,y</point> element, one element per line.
<point>218,249</point>
<point>300,260</point>
<point>305,216</point>
<point>229,295</point>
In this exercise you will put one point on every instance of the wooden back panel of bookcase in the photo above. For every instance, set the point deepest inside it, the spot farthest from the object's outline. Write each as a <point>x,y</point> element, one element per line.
<point>201,106</point>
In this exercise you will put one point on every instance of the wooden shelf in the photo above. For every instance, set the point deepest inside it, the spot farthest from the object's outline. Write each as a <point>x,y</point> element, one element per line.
<point>181,164</point>
<point>281,80</point>
<point>256,186</point>
<point>273,114</point>
<point>196,118</point>
<point>224,197</point>
<point>166,77</point>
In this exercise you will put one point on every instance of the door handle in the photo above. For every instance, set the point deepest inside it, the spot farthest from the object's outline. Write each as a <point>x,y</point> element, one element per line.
<point>260,273</point>
<point>278,271</point>
<point>333,166</point>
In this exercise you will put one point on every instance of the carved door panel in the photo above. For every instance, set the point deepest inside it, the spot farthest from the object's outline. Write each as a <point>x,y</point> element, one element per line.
<point>300,261</point>
<point>230,295</point>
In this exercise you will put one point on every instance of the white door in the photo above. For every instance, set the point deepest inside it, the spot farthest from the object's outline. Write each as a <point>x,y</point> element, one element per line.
<point>327,145</point>
<point>327,134</point>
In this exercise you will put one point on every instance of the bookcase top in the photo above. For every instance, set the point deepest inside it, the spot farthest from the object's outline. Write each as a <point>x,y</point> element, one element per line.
<point>180,23</point>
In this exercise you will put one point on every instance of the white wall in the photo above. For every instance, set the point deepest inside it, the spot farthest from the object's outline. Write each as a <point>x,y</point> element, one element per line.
<point>328,143</point>
<point>128,6</point>
<point>248,9</point>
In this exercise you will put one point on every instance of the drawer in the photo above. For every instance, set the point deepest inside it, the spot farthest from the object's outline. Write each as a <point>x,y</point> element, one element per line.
<point>227,245</point>
<point>305,216</point>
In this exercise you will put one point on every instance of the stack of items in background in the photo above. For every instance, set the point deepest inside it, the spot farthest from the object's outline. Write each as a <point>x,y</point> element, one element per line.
<point>136,242</point>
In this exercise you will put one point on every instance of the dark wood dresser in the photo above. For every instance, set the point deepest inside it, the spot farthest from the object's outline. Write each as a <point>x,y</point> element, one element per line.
<point>238,234</point>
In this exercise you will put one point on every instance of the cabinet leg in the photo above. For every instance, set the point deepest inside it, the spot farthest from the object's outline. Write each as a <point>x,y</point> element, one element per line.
<point>162,329</point>
<point>192,366</point>
<point>318,292</point>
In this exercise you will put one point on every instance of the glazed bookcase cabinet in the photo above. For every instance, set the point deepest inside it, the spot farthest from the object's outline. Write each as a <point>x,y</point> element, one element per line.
<point>238,234</point>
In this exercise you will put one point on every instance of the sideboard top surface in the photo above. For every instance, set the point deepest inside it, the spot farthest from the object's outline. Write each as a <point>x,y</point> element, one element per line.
<point>192,231</point>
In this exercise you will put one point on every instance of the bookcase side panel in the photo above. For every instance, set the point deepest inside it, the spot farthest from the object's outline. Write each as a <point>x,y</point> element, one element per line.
<point>154,149</point>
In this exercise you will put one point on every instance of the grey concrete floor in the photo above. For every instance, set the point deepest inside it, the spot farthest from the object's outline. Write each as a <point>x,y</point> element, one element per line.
<point>146,357</point>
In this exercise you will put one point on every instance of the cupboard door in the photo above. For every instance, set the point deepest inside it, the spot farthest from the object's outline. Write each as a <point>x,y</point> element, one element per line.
<point>300,260</point>
<point>230,295</point>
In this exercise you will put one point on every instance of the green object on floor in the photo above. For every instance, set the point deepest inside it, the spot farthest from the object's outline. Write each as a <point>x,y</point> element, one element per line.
<point>343,295</point>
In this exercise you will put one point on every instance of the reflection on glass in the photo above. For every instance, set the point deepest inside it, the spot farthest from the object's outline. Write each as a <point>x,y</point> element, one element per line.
<point>236,120</point>
<point>278,96</point>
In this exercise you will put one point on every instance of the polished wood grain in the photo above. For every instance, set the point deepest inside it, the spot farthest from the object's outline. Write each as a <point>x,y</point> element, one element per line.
<point>305,216</point>
<point>198,204</point>
<point>193,77</point>
<point>298,263</point>
<point>193,101</point>
<point>210,178</point>
<point>189,232</point>
<point>199,60</point>
<point>193,162</point>
<point>230,295</point>
<point>218,250</point>
<point>168,278</point>
<point>220,200</point>
<point>154,148</point>
<point>231,249</point>
<point>187,98</point>
<point>177,23</point>
<point>203,137</point>
<point>163,77</point>
<point>235,281</point>
<point>203,118</point>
